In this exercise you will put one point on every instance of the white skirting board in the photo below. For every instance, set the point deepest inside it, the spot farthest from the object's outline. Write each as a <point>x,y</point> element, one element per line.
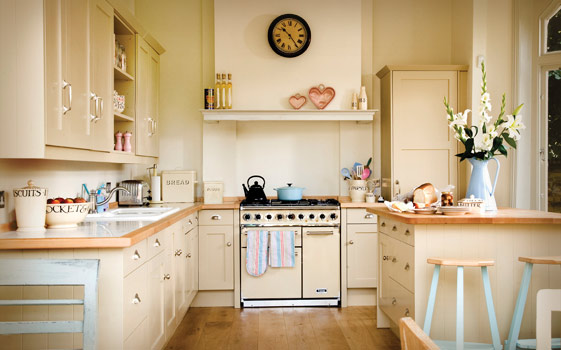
<point>361,297</point>
<point>214,298</point>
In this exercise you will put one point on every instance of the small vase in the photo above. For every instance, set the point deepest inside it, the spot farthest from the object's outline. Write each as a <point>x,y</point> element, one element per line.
<point>480,183</point>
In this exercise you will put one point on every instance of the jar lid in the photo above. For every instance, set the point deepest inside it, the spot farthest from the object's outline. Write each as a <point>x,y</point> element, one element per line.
<point>471,199</point>
<point>30,190</point>
<point>30,185</point>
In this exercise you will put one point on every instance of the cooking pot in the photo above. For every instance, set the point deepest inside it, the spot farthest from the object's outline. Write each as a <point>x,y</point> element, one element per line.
<point>289,193</point>
<point>255,193</point>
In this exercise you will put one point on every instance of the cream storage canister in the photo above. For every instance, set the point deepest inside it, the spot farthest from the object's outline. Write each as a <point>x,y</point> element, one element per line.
<point>213,192</point>
<point>178,186</point>
<point>31,208</point>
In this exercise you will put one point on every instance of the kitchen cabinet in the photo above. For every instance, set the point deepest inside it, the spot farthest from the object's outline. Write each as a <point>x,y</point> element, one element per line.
<point>148,87</point>
<point>361,255</point>
<point>192,270</point>
<point>216,250</point>
<point>157,280</point>
<point>417,144</point>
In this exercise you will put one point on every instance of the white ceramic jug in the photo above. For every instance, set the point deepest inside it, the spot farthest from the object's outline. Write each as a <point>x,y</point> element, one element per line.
<point>31,204</point>
<point>357,190</point>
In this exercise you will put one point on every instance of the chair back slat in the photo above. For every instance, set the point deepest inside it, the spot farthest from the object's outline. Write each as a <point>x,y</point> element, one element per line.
<point>28,302</point>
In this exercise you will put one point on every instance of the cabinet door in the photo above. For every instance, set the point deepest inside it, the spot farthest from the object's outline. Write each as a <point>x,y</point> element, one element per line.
<point>191,272</point>
<point>386,251</point>
<point>180,269</point>
<point>67,73</point>
<point>216,258</point>
<point>321,262</point>
<point>148,85</point>
<point>362,256</point>
<point>169,286</point>
<point>156,290</point>
<point>101,73</point>
<point>423,145</point>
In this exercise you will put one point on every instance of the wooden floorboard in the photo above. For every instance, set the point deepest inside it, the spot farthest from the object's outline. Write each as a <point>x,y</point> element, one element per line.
<point>282,328</point>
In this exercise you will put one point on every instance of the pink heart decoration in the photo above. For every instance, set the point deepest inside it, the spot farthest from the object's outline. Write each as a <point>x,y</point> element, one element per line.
<point>297,101</point>
<point>321,95</point>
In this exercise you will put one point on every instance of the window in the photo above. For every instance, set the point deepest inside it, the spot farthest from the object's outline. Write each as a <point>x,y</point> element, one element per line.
<point>553,32</point>
<point>553,140</point>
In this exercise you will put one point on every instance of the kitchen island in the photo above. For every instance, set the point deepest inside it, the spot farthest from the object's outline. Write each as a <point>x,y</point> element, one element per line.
<point>407,240</point>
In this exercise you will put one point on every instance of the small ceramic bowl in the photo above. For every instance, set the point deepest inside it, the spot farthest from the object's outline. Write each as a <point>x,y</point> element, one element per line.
<point>66,215</point>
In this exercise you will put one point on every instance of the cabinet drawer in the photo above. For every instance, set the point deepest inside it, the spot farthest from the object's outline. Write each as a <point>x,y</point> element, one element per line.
<point>138,340</point>
<point>188,223</point>
<point>397,230</point>
<point>134,256</point>
<point>216,217</point>
<point>360,216</point>
<point>397,302</point>
<point>156,244</point>
<point>135,300</point>
<point>401,267</point>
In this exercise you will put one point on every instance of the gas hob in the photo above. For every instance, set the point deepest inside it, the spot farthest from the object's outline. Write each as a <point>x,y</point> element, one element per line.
<point>306,212</point>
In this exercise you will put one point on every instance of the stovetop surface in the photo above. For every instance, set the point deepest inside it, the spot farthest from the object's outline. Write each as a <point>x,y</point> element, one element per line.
<point>330,202</point>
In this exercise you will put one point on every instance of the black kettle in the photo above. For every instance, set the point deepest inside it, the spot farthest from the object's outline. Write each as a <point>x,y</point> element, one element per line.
<point>255,193</point>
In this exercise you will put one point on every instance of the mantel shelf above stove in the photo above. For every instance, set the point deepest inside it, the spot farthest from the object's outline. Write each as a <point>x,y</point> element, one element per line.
<point>288,115</point>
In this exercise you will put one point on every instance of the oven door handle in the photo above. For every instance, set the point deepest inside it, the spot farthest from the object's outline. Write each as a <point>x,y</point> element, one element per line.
<point>318,233</point>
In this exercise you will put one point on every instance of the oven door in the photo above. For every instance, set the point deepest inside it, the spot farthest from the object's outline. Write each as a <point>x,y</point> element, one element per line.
<point>276,282</point>
<point>321,261</point>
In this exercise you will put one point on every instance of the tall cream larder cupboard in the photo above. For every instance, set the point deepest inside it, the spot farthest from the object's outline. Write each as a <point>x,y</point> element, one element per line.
<point>417,145</point>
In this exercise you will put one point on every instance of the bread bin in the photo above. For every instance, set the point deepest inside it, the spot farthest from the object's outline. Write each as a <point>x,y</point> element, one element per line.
<point>138,193</point>
<point>30,203</point>
<point>178,185</point>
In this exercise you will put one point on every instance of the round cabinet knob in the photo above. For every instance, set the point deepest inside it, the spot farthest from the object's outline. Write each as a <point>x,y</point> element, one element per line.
<point>312,216</point>
<point>269,216</point>
<point>229,244</point>
<point>351,242</point>
<point>189,255</point>
<point>333,216</point>
<point>246,217</point>
<point>178,252</point>
<point>291,216</point>
<point>301,216</point>
<point>257,216</point>
<point>322,216</point>
<point>167,276</point>
<point>280,216</point>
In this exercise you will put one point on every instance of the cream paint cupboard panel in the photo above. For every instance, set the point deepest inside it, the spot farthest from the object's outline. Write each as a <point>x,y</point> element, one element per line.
<point>216,258</point>
<point>67,73</point>
<point>134,256</point>
<point>192,270</point>
<point>362,257</point>
<point>169,289</point>
<point>135,299</point>
<point>180,269</point>
<point>138,340</point>
<point>156,280</point>
<point>101,72</point>
<point>321,245</point>
<point>216,217</point>
<point>360,216</point>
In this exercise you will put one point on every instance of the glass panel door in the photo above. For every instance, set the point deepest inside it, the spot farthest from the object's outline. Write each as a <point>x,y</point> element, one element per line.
<point>553,103</point>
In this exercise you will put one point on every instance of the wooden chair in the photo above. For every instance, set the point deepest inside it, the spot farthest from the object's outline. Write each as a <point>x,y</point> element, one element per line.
<point>413,337</point>
<point>513,342</point>
<point>46,272</point>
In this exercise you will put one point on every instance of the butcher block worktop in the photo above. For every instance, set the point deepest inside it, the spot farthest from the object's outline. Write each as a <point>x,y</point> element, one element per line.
<point>501,216</point>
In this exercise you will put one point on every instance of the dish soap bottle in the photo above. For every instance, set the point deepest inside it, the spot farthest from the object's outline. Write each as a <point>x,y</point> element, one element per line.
<point>362,99</point>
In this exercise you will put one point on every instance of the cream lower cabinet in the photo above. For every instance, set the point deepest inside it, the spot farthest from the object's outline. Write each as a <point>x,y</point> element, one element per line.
<point>362,242</point>
<point>417,144</point>
<point>216,250</point>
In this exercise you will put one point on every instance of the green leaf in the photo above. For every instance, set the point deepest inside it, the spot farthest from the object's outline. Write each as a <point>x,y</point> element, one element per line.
<point>469,133</point>
<point>517,110</point>
<point>511,142</point>
<point>503,151</point>
<point>469,145</point>
<point>476,130</point>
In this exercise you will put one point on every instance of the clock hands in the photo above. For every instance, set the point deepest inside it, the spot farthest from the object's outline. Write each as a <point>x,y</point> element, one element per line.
<point>289,36</point>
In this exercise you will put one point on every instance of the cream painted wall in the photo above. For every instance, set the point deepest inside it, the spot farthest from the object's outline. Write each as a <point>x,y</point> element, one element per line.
<point>264,80</point>
<point>178,27</point>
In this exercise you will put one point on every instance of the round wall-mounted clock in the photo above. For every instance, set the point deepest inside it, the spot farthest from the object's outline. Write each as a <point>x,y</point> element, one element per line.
<point>289,35</point>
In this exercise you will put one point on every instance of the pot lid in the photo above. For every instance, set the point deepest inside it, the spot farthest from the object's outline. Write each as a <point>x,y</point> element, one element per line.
<point>289,187</point>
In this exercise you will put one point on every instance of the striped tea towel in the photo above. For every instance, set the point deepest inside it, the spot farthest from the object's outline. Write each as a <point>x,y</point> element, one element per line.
<point>281,253</point>
<point>256,259</point>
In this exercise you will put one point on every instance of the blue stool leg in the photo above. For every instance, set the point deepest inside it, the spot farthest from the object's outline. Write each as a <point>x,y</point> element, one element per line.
<point>491,309</point>
<point>519,308</point>
<point>460,309</point>
<point>432,298</point>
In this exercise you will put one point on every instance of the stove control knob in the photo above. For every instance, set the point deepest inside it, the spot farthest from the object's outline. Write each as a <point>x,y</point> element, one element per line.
<point>301,216</point>
<point>269,216</point>
<point>257,216</point>
<point>280,216</point>
<point>322,216</point>
<point>312,216</point>
<point>246,217</point>
<point>291,216</point>
<point>333,216</point>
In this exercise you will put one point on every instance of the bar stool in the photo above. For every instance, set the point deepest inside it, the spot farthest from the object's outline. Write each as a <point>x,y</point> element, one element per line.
<point>512,342</point>
<point>460,264</point>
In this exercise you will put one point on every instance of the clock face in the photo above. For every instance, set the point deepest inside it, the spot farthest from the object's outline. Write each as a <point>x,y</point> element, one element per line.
<point>289,35</point>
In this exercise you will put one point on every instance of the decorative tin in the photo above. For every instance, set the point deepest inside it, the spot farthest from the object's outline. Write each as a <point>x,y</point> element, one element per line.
<point>209,99</point>
<point>213,192</point>
<point>476,204</point>
<point>178,185</point>
<point>31,204</point>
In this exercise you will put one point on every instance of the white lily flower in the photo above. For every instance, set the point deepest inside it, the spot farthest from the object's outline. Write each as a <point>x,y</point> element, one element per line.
<point>485,144</point>
<point>461,136</point>
<point>460,118</point>
<point>513,126</point>
<point>493,131</point>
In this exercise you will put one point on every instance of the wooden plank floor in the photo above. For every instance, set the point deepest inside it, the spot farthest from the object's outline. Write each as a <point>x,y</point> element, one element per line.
<point>282,328</point>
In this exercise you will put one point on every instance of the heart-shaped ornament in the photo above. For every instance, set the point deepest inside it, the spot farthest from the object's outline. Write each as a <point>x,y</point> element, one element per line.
<point>321,96</point>
<point>297,101</point>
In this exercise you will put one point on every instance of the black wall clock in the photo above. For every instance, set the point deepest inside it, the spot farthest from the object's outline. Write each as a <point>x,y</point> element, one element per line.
<point>289,35</point>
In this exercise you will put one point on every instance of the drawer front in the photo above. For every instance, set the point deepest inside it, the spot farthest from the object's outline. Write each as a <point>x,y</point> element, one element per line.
<point>397,230</point>
<point>156,243</point>
<point>398,302</point>
<point>188,223</point>
<point>401,266</point>
<point>216,217</point>
<point>135,300</point>
<point>361,216</point>
<point>138,340</point>
<point>297,234</point>
<point>134,256</point>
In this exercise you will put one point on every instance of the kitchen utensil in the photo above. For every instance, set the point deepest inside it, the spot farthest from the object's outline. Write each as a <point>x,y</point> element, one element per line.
<point>353,174</point>
<point>289,193</point>
<point>297,101</point>
<point>30,204</point>
<point>355,165</point>
<point>368,163</point>
<point>359,171</point>
<point>255,193</point>
<point>138,192</point>
<point>346,173</point>
<point>321,96</point>
<point>366,174</point>
<point>66,215</point>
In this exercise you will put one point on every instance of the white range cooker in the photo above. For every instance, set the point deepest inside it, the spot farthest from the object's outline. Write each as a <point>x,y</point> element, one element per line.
<point>315,280</point>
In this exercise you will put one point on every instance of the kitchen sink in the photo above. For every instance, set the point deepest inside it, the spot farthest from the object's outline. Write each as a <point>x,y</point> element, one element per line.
<point>133,214</point>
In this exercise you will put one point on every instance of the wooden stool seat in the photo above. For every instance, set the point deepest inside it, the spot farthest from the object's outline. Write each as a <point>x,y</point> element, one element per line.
<point>413,337</point>
<point>545,260</point>
<point>461,262</point>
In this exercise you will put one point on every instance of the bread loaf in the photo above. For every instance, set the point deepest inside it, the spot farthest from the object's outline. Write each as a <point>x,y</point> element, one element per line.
<point>425,194</point>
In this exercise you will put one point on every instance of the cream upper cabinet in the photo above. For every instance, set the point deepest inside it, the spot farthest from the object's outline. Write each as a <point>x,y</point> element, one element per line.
<point>148,90</point>
<point>362,257</point>
<point>417,144</point>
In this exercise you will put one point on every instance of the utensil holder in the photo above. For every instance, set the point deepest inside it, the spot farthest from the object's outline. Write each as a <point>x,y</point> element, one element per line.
<point>357,190</point>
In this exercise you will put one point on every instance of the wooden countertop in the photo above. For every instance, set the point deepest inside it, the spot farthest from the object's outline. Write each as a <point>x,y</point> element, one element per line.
<point>501,216</point>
